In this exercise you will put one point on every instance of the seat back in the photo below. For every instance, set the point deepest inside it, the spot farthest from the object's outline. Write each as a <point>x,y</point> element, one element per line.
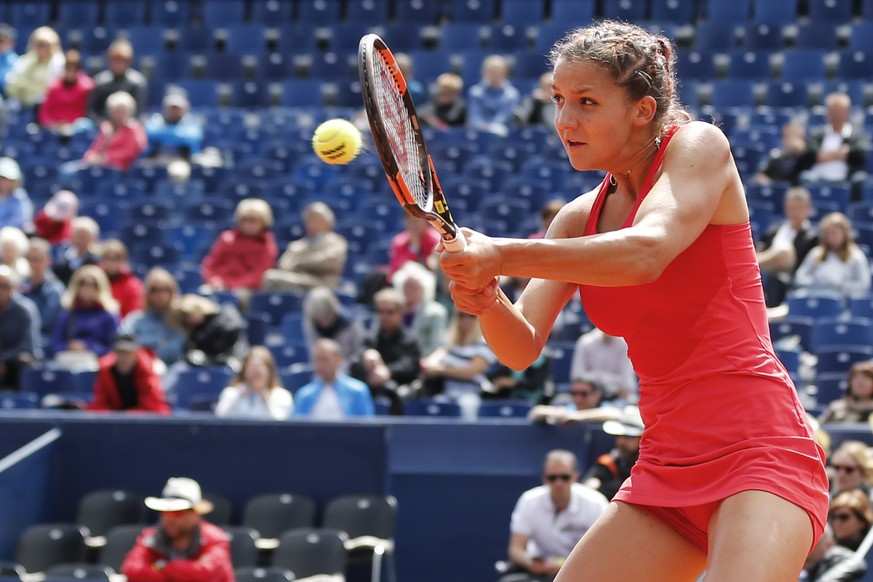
<point>259,574</point>
<point>45,545</point>
<point>102,510</point>
<point>81,571</point>
<point>243,551</point>
<point>311,551</point>
<point>362,515</point>
<point>119,541</point>
<point>273,513</point>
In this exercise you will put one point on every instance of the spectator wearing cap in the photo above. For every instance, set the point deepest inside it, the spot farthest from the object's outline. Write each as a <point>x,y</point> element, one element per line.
<point>19,330</point>
<point>8,56</point>
<point>183,546</point>
<point>610,470</point>
<point>66,100</point>
<point>126,380</point>
<point>16,209</point>
<point>54,222</point>
<point>28,79</point>
<point>119,76</point>
<point>174,133</point>
<point>549,519</point>
<point>43,287</point>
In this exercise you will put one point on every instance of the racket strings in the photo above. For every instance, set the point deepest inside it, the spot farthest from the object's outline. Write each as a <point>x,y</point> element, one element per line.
<point>401,133</point>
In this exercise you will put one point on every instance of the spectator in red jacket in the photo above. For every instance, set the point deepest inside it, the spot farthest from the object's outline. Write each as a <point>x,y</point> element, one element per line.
<point>416,242</point>
<point>54,222</point>
<point>184,547</point>
<point>127,288</point>
<point>239,258</point>
<point>66,100</point>
<point>126,380</point>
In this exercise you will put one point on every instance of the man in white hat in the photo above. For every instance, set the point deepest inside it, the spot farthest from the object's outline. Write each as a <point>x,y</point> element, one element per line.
<point>610,470</point>
<point>183,547</point>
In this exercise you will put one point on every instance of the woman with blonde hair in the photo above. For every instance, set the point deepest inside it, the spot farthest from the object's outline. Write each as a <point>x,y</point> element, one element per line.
<point>256,392</point>
<point>837,263</point>
<point>850,467</point>
<point>856,404</point>
<point>89,318</point>
<point>28,80</point>
<point>153,326</point>
<point>215,332</point>
<point>851,516</point>
<point>14,245</point>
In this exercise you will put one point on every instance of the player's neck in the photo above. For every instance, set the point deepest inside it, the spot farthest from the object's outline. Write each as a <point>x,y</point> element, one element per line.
<point>629,176</point>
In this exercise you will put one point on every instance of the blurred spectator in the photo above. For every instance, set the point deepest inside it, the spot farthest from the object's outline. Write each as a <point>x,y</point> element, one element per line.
<point>851,467</point>
<point>790,159</point>
<point>256,392</point>
<point>604,358</point>
<point>533,384</point>
<point>840,148</point>
<point>548,520</point>
<point>828,562</point>
<point>82,248</point>
<point>54,222</point>
<point>66,100</point>
<point>120,139</point>
<point>390,360</point>
<point>417,90</point>
<point>19,330</point>
<point>29,78</point>
<point>43,288</point>
<point>14,245</point>
<point>215,333</point>
<point>547,214</point>
<point>174,133</point>
<point>586,396</point>
<point>856,404</point>
<point>332,395</point>
<point>785,244</point>
<point>8,56</point>
<point>446,107</point>
<point>837,264</point>
<point>492,101</point>
<point>183,546</point>
<point>153,326</point>
<point>86,326</point>
<point>316,260</point>
<point>457,369</point>
<point>851,516</point>
<point>426,319</point>
<point>537,108</point>
<point>416,242</point>
<point>242,254</point>
<point>126,287</point>
<point>16,209</point>
<point>325,317</point>
<point>126,380</point>
<point>610,470</point>
<point>120,76</point>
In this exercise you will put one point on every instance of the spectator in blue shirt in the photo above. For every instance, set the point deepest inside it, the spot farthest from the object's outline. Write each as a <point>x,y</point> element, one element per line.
<point>332,395</point>
<point>8,56</point>
<point>16,209</point>
<point>43,287</point>
<point>492,102</point>
<point>175,133</point>
<point>19,330</point>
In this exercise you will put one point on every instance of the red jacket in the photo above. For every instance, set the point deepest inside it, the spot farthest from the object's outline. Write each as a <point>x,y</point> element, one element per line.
<point>210,563</point>
<point>65,104</point>
<point>238,261</point>
<point>119,147</point>
<point>402,249</point>
<point>128,291</point>
<point>149,391</point>
<point>53,231</point>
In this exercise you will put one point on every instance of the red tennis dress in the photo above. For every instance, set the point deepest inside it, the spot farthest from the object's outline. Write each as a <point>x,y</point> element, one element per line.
<point>721,413</point>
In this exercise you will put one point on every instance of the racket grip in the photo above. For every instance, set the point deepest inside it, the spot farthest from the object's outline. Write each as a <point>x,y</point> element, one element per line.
<point>456,244</point>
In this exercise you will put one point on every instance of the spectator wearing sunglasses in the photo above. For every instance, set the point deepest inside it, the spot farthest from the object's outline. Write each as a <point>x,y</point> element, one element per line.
<point>549,519</point>
<point>851,516</point>
<point>829,562</point>
<point>587,405</point>
<point>850,467</point>
<point>610,470</point>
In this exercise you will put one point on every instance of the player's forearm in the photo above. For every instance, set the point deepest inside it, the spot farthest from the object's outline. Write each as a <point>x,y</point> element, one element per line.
<point>509,335</point>
<point>610,259</point>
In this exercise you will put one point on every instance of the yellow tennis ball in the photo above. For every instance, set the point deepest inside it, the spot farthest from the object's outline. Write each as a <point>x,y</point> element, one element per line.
<point>336,141</point>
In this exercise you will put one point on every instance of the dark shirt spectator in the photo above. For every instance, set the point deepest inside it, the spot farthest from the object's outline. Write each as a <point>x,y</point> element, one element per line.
<point>43,288</point>
<point>215,332</point>
<point>126,380</point>
<point>840,147</point>
<point>19,330</point>
<point>851,516</point>
<point>828,562</point>
<point>537,108</point>
<point>120,76</point>
<point>610,470</point>
<point>446,107</point>
<point>84,237</point>
<point>787,162</point>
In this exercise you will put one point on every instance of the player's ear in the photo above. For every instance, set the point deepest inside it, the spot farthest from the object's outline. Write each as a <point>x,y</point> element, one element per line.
<point>644,111</point>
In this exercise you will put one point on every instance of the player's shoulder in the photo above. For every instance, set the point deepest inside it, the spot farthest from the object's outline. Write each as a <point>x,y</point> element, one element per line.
<point>573,216</point>
<point>700,137</point>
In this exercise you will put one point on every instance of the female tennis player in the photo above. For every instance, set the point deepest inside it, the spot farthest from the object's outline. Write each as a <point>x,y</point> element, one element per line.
<point>730,478</point>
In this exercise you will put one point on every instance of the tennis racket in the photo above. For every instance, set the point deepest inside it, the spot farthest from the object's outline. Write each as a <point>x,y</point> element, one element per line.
<point>399,140</point>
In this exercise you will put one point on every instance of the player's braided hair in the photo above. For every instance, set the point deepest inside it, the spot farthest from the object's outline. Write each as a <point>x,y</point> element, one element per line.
<point>639,61</point>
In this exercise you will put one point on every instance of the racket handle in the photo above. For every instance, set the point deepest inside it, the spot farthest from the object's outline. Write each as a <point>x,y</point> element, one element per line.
<point>456,244</point>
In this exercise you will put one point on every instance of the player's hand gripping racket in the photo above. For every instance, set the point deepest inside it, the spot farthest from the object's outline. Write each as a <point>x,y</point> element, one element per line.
<point>400,142</point>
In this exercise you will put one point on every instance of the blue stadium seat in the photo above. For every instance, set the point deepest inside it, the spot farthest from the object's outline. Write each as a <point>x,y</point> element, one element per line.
<point>150,255</point>
<point>733,12</point>
<point>855,65</point>
<point>733,93</point>
<point>146,212</point>
<point>460,36</point>
<point>695,65</point>
<point>292,351</point>
<point>370,13</point>
<point>331,66</point>
<point>44,381</point>
<point>297,40</point>
<point>803,65</point>
<point>786,94</point>
<point>346,36</point>
<point>171,13</point>
<point>275,304</point>
<point>839,361</point>
<point>296,376</point>
<point>245,39</point>
<point>26,16</point>
<point>201,92</point>
<point>249,95</point>
<point>854,88</point>
<point>861,37</point>
<point>867,9</point>
<point>272,12</point>
<point>861,307</point>
<point>221,13</point>
<point>347,94</point>
<point>830,386</point>
<point>402,37</point>
<point>199,382</point>
<point>431,407</point>
<point>471,11</point>
<point>816,35</point>
<point>627,10</point>
<point>125,14</point>
<point>223,67</point>
<point>793,326</point>
<point>759,36</point>
<point>746,64</point>
<point>506,37</point>
<point>715,35</point>
<point>133,233</point>
<point>790,359</point>
<point>675,11</point>
<point>273,67</point>
<point>416,13</point>
<point>837,194</point>
<point>504,409</point>
<point>257,327</point>
<point>780,13</point>
<point>522,13</point>
<point>562,360</point>
<point>815,305</point>
<point>301,93</point>
<point>830,333</point>
<point>146,40</point>
<point>18,400</point>
<point>835,11</point>
<point>549,33</point>
<point>79,14</point>
<point>318,12</point>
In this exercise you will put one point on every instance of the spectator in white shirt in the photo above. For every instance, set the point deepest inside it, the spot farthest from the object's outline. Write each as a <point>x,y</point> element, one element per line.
<point>604,358</point>
<point>257,391</point>
<point>837,264</point>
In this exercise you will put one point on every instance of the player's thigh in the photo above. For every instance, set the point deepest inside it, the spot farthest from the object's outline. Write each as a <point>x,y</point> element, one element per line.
<point>756,535</point>
<point>628,543</point>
